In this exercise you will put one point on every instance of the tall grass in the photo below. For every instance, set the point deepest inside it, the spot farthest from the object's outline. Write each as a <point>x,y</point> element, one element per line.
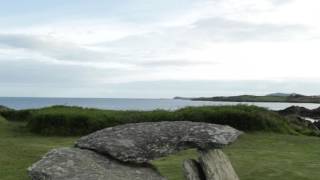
<point>62,120</point>
<point>2,120</point>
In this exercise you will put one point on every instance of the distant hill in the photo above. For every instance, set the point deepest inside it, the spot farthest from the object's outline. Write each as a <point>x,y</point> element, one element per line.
<point>275,97</point>
<point>281,94</point>
<point>182,98</point>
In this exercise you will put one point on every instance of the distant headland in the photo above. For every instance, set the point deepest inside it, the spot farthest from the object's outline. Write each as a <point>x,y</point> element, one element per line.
<point>274,97</point>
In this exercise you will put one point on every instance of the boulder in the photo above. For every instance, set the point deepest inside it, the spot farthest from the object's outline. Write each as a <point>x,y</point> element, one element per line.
<point>296,110</point>
<point>317,124</point>
<point>301,111</point>
<point>142,142</point>
<point>217,166</point>
<point>192,170</point>
<point>77,164</point>
<point>303,123</point>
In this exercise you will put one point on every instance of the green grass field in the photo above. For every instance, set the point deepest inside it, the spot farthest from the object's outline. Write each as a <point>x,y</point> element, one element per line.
<point>258,156</point>
<point>19,149</point>
<point>262,156</point>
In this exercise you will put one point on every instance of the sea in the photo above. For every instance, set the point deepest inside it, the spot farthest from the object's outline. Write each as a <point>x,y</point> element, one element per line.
<point>20,103</point>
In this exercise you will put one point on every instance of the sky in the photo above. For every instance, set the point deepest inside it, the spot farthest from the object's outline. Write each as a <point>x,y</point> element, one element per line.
<point>158,49</point>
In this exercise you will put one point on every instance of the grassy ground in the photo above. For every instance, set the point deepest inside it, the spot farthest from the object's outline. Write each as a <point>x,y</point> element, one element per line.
<point>258,156</point>
<point>262,156</point>
<point>19,149</point>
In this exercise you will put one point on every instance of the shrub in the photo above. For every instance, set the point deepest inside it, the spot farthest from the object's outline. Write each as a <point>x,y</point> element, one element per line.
<point>13,115</point>
<point>62,120</point>
<point>2,120</point>
<point>246,118</point>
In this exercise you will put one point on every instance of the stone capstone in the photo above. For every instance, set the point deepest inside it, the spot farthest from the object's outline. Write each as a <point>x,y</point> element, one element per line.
<point>77,164</point>
<point>142,142</point>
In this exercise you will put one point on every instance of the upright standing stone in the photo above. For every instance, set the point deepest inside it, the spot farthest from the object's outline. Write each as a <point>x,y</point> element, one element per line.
<point>217,166</point>
<point>192,170</point>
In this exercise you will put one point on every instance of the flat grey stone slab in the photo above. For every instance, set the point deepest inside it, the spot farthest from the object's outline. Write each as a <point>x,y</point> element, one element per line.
<point>142,142</point>
<point>77,164</point>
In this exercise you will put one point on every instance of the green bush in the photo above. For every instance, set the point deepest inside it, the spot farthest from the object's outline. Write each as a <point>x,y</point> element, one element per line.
<point>246,118</point>
<point>13,115</point>
<point>62,120</point>
<point>2,120</point>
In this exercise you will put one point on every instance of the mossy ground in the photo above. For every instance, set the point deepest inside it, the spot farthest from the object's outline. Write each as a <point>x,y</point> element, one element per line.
<point>255,156</point>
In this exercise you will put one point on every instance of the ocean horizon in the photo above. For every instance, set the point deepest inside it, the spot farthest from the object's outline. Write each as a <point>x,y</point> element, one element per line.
<point>142,104</point>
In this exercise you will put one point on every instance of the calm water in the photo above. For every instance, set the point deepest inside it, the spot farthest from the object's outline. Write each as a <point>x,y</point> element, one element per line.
<point>129,104</point>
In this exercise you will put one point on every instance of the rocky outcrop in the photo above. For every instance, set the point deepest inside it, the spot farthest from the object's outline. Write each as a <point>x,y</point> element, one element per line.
<point>217,166</point>
<point>77,164</point>
<point>142,142</point>
<point>317,124</point>
<point>123,153</point>
<point>303,123</point>
<point>297,110</point>
<point>301,111</point>
<point>303,118</point>
<point>192,170</point>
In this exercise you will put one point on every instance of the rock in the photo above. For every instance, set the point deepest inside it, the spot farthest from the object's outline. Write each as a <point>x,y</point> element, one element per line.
<point>303,123</point>
<point>296,110</point>
<point>317,124</point>
<point>301,111</point>
<point>142,142</point>
<point>216,165</point>
<point>77,164</point>
<point>192,170</point>
<point>316,113</point>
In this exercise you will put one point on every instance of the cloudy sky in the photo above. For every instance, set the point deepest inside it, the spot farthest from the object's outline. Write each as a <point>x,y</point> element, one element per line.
<point>153,48</point>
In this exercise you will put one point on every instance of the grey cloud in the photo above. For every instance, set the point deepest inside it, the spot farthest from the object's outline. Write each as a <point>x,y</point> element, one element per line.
<point>281,2</point>
<point>217,29</point>
<point>149,49</point>
<point>70,52</point>
<point>161,89</point>
<point>169,88</point>
<point>176,63</point>
<point>221,29</point>
<point>51,48</point>
<point>163,41</point>
<point>27,71</point>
